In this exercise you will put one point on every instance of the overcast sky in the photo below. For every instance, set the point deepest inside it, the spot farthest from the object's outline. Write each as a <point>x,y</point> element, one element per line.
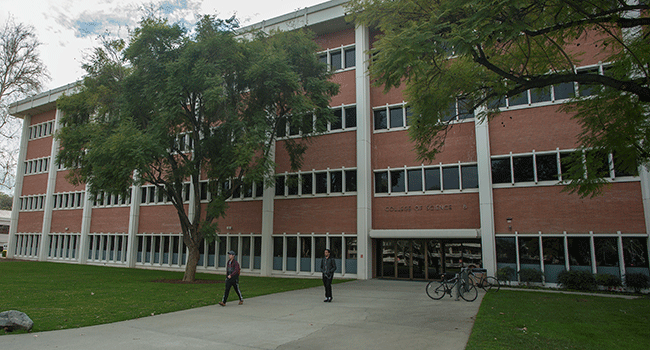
<point>69,28</point>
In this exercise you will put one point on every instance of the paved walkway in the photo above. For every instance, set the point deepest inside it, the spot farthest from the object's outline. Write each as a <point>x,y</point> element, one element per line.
<point>372,314</point>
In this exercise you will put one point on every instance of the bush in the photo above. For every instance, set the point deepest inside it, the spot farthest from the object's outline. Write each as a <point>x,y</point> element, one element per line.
<point>530,275</point>
<point>581,280</point>
<point>637,281</point>
<point>505,273</point>
<point>607,280</point>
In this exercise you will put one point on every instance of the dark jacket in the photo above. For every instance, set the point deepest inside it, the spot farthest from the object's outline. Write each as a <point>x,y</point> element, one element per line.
<point>328,266</point>
<point>232,269</point>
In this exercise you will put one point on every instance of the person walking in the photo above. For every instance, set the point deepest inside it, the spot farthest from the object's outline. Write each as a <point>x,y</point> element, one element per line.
<point>232,279</point>
<point>328,266</point>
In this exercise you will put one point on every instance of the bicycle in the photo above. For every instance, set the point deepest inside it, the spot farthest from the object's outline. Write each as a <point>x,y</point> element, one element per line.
<point>487,283</point>
<point>437,289</point>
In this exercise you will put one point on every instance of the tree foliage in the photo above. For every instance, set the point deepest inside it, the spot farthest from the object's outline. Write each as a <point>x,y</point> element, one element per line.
<point>176,108</point>
<point>481,51</point>
<point>21,73</point>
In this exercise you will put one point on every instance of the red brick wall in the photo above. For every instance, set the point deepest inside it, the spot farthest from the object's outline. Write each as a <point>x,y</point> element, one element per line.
<point>34,184</point>
<point>546,209</point>
<point>347,88</point>
<point>452,211</point>
<point>334,215</point>
<point>30,222</point>
<point>43,117</point>
<point>243,217</point>
<point>62,185</point>
<point>157,219</point>
<point>70,219</point>
<point>525,130</point>
<point>39,148</point>
<point>334,150</point>
<point>395,149</point>
<point>111,220</point>
<point>337,39</point>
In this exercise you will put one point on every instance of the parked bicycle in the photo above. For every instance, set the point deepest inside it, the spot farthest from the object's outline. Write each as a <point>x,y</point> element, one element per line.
<point>479,278</point>
<point>437,289</point>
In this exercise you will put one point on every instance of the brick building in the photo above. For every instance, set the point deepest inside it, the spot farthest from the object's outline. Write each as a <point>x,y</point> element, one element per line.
<point>491,198</point>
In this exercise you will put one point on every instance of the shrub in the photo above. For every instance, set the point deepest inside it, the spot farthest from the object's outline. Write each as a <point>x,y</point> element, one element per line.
<point>581,280</point>
<point>505,273</point>
<point>637,281</point>
<point>608,280</point>
<point>530,275</point>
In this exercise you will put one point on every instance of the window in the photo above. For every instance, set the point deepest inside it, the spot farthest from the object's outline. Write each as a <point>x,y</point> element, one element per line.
<point>469,175</point>
<point>350,59</point>
<point>339,58</point>
<point>336,184</point>
<point>292,185</point>
<point>450,178</point>
<point>501,170</point>
<point>306,180</point>
<point>397,181</point>
<point>381,182</point>
<point>432,179</point>
<point>350,181</point>
<point>390,117</point>
<point>414,180</point>
<point>546,165</point>
<point>350,117</point>
<point>321,182</point>
<point>523,169</point>
<point>279,185</point>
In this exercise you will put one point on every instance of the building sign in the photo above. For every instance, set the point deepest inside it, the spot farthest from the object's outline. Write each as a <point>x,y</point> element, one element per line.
<point>430,207</point>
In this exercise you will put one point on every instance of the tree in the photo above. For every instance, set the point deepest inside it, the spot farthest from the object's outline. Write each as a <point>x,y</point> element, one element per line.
<point>478,52</point>
<point>172,108</point>
<point>21,73</point>
<point>6,201</point>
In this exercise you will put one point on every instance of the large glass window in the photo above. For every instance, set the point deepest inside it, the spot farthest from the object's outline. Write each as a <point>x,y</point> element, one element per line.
<point>529,252</point>
<point>278,253</point>
<point>579,253</point>
<point>350,255</point>
<point>635,254</point>
<point>292,251</point>
<point>553,257</point>
<point>305,254</point>
<point>506,253</point>
<point>396,117</point>
<point>380,119</point>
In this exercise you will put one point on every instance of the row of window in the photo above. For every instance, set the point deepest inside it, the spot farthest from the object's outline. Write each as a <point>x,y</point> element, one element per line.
<point>71,200</point>
<point>582,252</point>
<point>302,253</point>
<point>339,58</point>
<point>37,166</point>
<point>345,118</point>
<point>427,178</point>
<point>35,202</point>
<point>317,182</point>
<point>37,131</point>
<point>553,93</point>
<point>391,117</point>
<point>545,166</point>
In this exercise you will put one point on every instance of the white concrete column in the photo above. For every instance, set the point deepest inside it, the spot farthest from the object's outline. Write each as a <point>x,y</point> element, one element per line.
<point>18,188</point>
<point>486,201</point>
<point>644,175</point>
<point>134,222</point>
<point>85,226</point>
<point>364,143</point>
<point>49,195</point>
<point>266,265</point>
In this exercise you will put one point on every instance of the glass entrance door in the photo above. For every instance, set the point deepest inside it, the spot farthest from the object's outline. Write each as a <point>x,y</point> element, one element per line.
<point>425,259</point>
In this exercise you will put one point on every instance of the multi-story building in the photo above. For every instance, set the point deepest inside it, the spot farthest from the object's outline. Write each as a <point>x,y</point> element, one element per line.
<point>491,198</point>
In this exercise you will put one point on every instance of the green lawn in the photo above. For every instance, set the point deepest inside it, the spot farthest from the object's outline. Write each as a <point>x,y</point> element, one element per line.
<point>57,295</point>
<point>537,320</point>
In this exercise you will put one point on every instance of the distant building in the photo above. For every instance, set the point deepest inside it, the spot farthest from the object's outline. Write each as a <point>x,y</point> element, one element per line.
<point>491,198</point>
<point>5,220</point>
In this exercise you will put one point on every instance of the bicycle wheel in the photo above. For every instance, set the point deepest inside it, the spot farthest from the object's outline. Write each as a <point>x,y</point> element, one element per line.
<point>491,284</point>
<point>468,292</point>
<point>435,290</point>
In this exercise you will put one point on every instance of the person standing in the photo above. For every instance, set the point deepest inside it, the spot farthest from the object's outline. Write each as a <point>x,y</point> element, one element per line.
<point>232,279</point>
<point>328,266</point>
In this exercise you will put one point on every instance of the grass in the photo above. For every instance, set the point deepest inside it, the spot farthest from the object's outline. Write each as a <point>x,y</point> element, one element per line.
<point>59,296</point>
<point>539,320</point>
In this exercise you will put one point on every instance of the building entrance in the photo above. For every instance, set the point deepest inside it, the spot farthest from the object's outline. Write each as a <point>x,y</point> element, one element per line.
<point>424,259</point>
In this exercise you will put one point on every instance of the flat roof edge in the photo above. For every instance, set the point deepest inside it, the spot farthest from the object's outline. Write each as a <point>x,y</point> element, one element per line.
<point>22,107</point>
<point>288,17</point>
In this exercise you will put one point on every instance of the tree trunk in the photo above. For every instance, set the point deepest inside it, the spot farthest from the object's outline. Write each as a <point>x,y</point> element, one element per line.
<point>190,265</point>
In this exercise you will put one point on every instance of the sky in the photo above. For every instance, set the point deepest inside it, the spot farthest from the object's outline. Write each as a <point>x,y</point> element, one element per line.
<point>69,29</point>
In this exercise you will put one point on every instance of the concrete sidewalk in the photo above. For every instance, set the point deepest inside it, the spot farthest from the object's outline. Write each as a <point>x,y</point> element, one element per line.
<point>372,314</point>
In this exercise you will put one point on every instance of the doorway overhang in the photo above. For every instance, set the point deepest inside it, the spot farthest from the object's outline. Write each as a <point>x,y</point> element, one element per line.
<point>435,233</point>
